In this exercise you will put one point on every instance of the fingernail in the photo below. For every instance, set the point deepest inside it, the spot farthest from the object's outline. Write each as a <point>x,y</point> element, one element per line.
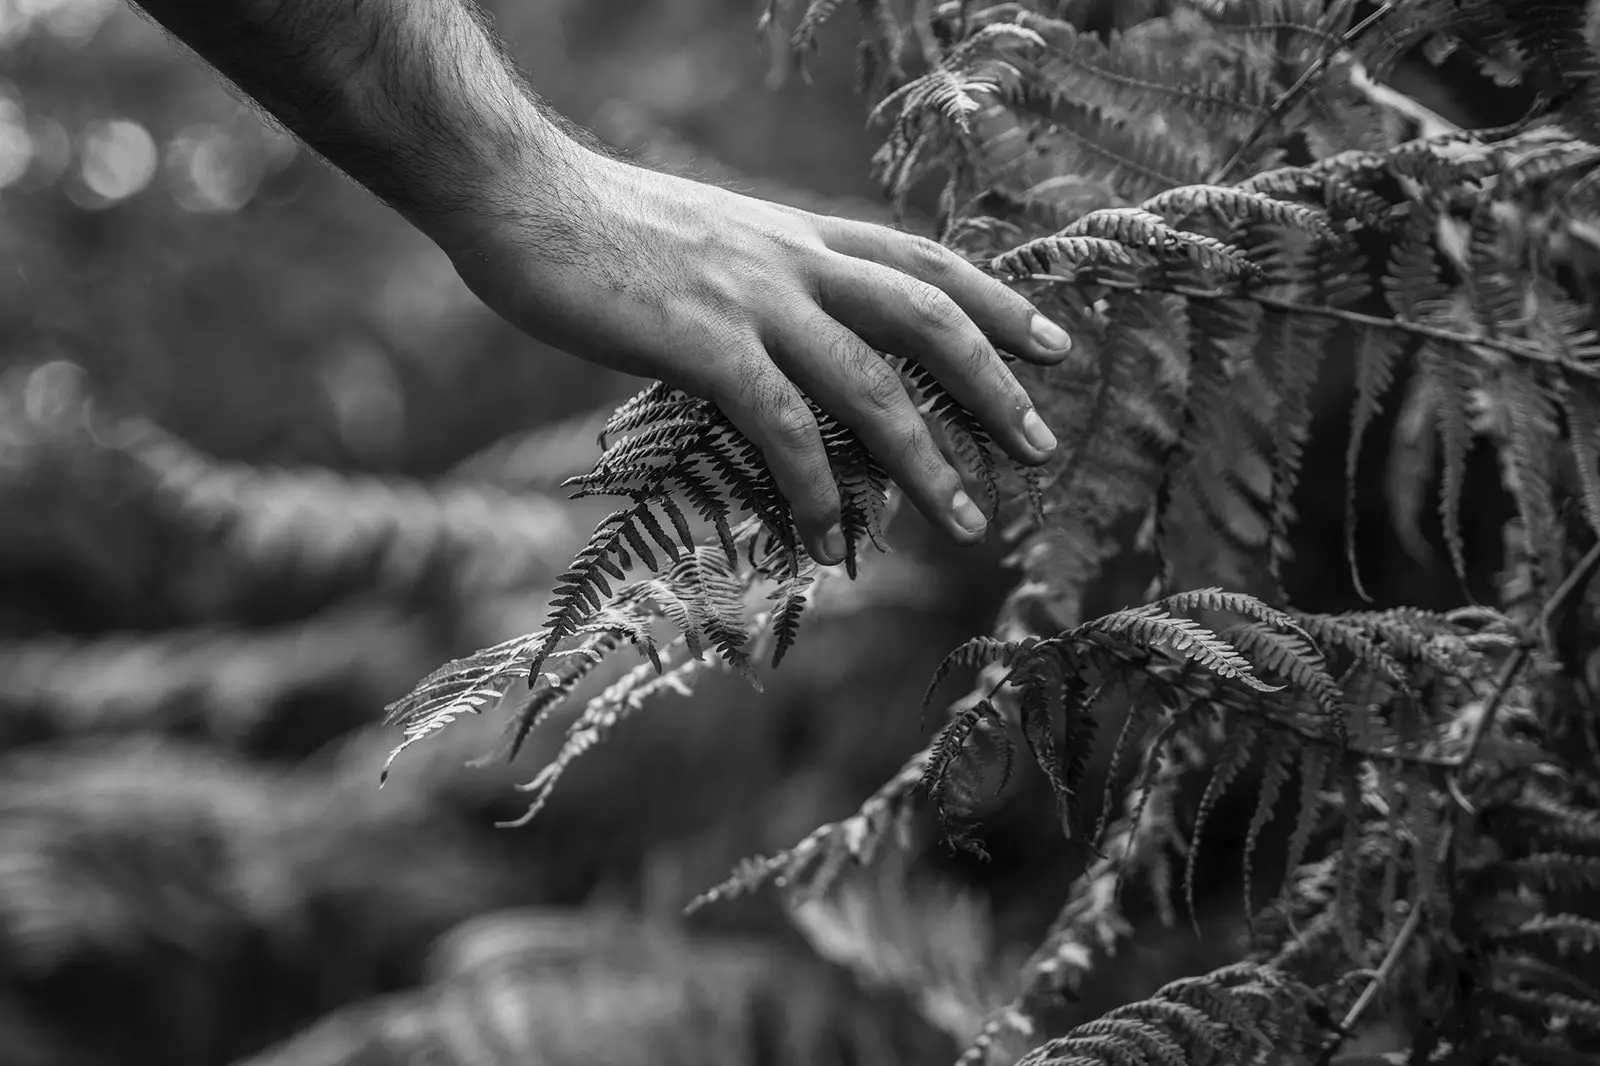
<point>1049,336</point>
<point>833,544</point>
<point>1037,432</point>
<point>967,514</point>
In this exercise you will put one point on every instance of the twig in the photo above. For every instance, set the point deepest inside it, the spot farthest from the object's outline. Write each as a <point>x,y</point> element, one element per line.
<point>1391,962</point>
<point>1420,329</point>
<point>1292,93</point>
<point>1575,581</point>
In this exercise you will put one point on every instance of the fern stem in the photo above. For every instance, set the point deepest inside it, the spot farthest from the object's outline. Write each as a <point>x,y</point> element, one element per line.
<point>1574,583</point>
<point>1419,329</point>
<point>1391,962</point>
<point>1281,105</point>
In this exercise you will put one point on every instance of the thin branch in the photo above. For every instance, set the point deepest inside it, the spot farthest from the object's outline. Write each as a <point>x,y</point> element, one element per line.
<point>1386,969</point>
<point>1419,329</point>
<point>1575,582</point>
<point>1281,105</point>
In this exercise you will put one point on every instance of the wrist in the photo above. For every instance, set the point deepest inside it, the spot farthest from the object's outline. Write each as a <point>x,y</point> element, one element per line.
<point>522,189</point>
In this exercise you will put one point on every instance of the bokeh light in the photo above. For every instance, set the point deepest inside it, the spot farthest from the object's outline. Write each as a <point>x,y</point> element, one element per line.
<point>16,144</point>
<point>118,158</point>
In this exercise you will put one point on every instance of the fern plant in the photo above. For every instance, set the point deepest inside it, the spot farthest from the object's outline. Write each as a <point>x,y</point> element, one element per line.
<point>1220,200</point>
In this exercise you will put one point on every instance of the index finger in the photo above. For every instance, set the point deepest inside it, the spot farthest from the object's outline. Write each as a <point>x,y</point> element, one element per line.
<point>1007,317</point>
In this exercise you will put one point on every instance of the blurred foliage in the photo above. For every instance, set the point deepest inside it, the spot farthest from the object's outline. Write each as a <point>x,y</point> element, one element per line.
<point>264,460</point>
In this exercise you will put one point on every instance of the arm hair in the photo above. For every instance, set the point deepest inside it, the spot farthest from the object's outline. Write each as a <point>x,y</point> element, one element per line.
<point>414,99</point>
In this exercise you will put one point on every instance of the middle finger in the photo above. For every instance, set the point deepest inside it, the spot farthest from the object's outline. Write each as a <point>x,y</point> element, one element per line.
<point>901,314</point>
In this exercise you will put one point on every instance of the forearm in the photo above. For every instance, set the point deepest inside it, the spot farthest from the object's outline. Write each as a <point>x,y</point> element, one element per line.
<point>414,99</point>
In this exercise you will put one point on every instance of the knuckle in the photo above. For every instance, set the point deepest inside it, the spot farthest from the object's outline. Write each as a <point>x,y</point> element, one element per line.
<point>936,471</point>
<point>982,364</point>
<point>880,387</point>
<point>918,453</point>
<point>735,384</point>
<point>931,308</point>
<point>824,509</point>
<point>844,348</point>
<point>929,259</point>
<point>791,424</point>
<point>797,242</point>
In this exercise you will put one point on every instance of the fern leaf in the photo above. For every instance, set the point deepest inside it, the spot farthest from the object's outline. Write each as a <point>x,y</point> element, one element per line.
<point>947,750</point>
<point>792,598</point>
<point>1375,361</point>
<point>1582,411</point>
<point>1347,905</point>
<point>975,654</point>
<point>1568,933</point>
<point>1118,75</point>
<point>1044,254</point>
<point>1294,658</point>
<point>854,839</point>
<point>1533,439</point>
<point>1452,380</point>
<point>462,686</point>
<point>1340,197</point>
<point>1134,727</point>
<point>719,610</point>
<point>1142,1042</point>
<point>1235,756</point>
<point>1237,206</point>
<point>579,587</point>
<point>1141,229</point>
<point>619,701</point>
<point>1047,696</point>
<point>1289,351</point>
<point>1276,767</point>
<point>1426,826</point>
<point>1151,627</point>
<point>1560,871</point>
<point>1315,761</point>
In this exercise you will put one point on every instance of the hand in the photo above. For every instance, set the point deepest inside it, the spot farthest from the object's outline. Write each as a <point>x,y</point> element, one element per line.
<point>748,304</point>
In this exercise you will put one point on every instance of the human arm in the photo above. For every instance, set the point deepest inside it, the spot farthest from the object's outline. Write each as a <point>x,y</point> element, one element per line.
<point>740,301</point>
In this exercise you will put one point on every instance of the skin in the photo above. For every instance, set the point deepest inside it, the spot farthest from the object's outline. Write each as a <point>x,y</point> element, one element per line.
<point>740,301</point>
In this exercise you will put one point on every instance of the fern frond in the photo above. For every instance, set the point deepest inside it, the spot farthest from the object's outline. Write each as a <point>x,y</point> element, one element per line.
<point>1376,355</point>
<point>1237,206</point>
<point>1125,79</point>
<point>1559,871</point>
<point>467,685</point>
<point>1150,626</point>
<point>1531,445</point>
<point>621,699</point>
<point>1237,1013</point>
<point>947,749</point>
<point>1315,762</point>
<point>1582,410</point>
<point>1451,378</point>
<point>1092,143</point>
<point>812,865</point>
<point>792,599</point>
<point>1342,198</point>
<point>1050,692</point>
<point>1045,254</point>
<point>1236,755</point>
<point>1140,228</point>
<point>973,655</point>
<point>1276,767</point>
<point>1293,657</point>
<point>1566,933</point>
